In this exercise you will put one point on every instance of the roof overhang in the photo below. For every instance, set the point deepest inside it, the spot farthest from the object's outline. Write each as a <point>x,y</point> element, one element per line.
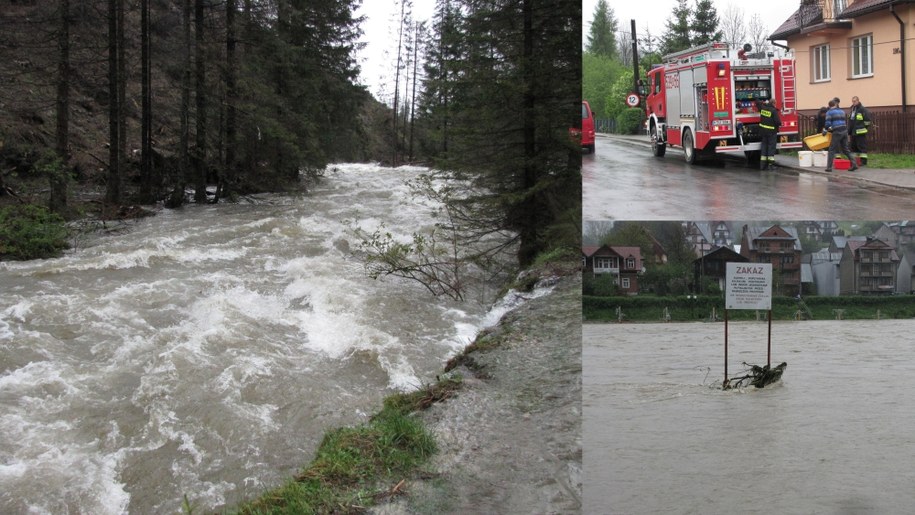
<point>827,28</point>
<point>864,7</point>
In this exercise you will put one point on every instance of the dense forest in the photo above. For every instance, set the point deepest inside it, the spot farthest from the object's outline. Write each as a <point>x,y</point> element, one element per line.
<point>154,101</point>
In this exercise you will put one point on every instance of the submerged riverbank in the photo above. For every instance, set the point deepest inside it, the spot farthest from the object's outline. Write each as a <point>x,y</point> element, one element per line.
<point>505,417</point>
<point>510,441</point>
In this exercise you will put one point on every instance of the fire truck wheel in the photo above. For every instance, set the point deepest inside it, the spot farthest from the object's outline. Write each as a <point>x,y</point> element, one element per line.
<point>689,147</point>
<point>658,148</point>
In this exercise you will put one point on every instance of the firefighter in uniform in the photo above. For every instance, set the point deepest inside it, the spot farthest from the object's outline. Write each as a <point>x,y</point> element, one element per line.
<point>859,120</point>
<point>769,122</point>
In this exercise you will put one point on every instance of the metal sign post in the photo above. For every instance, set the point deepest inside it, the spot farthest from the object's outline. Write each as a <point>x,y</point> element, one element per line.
<point>748,286</point>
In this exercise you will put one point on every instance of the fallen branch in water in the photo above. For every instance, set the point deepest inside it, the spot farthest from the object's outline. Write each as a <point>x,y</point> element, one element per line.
<point>757,376</point>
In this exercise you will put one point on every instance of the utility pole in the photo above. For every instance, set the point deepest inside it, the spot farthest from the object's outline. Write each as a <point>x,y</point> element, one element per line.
<point>635,61</point>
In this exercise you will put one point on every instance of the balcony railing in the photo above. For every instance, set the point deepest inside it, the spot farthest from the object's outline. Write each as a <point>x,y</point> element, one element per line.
<point>606,270</point>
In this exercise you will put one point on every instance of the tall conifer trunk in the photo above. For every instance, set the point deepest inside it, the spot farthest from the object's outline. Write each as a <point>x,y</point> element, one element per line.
<point>58,197</point>
<point>113,188</point>
<point>146,171</point>
<point>200,190</point>
<point>231,97</point>
<point>177,196</point>
<point>528,216</point>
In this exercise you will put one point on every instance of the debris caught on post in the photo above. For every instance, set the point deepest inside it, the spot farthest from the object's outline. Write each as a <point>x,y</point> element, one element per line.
<point>758,376</point>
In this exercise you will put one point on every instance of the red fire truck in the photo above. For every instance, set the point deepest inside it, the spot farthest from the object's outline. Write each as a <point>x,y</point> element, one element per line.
<point>705,101</point>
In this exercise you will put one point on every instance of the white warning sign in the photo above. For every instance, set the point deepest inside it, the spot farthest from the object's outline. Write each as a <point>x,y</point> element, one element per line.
<point>749,286</point>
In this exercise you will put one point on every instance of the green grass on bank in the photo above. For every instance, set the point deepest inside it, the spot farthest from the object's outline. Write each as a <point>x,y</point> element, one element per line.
<point>31,232</point>
<point>352,461</point>
<point>357,467</point>
<point>648,308</point>
<point>880,160</point>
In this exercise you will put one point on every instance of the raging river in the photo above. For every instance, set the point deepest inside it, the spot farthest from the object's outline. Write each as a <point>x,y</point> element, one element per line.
<point>204,351</point>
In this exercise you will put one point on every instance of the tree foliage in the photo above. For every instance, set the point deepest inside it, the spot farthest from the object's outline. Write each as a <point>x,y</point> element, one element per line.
<point>603,31</point>
<point>31,232</point>
<point>285,81</point>
<point>704,23</point>
<point>677,35</point>
<point>616,99</point>
<point>598,75</point>
<point>516,92</point>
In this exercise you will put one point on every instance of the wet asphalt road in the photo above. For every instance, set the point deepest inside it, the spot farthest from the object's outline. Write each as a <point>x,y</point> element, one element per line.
<point>625,182</point>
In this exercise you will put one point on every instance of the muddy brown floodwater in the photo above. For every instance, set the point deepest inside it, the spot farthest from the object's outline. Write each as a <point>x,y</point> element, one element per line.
<point>510,441</point>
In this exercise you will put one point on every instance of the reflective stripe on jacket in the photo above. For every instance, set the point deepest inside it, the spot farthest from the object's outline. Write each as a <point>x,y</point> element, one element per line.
<point>859,119</point>
<point>768,118</point>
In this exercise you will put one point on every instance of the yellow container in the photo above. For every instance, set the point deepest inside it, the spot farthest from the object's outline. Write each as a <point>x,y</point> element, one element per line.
<point>818,141</point>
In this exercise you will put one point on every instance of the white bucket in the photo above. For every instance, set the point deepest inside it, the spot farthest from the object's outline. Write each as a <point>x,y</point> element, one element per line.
<point>805,158</point>
<point>819,158</point>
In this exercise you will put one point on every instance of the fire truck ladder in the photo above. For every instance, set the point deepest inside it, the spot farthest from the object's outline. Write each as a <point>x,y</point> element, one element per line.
<point>789,88</point>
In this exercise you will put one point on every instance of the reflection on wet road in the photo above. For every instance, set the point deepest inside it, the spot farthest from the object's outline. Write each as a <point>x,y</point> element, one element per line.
<point>625,182</point>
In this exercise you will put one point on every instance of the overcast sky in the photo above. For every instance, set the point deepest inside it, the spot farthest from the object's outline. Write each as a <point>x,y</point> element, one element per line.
<point>654,14</point>
<point>380,29</point>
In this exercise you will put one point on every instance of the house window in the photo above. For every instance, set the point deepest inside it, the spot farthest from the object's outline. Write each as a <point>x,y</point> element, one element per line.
<point>624,282</point>
<point>630,263</point>
<point>862,55</point>
<point>820,61</point>
<point>604,262</point>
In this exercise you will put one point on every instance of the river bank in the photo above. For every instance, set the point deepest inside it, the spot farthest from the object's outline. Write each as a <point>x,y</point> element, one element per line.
<point>504,417</point>
<point>510,440</point>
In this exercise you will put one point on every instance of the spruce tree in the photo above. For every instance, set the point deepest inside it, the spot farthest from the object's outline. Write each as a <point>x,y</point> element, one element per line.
<point>519,92</point>
<point>676,37</point>
<point>704,24</point>
<point>602,34</point>
<point>443,51</point>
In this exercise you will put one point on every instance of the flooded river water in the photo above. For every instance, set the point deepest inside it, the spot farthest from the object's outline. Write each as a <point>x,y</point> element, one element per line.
<point>835,436</point>
<point>205,350</point>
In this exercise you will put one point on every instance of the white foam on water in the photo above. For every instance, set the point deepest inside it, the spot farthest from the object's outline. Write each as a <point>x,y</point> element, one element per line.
<point>196,320</point>
<point>18,311</point>
<point>400,373</point>
<point>511,301</point>
<point>465,333</point>
<point>46,461</point>
<point>246,370</point>
<point>37,380</point>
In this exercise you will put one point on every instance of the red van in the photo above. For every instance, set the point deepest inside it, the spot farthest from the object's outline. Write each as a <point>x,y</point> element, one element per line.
<point>587,127</point>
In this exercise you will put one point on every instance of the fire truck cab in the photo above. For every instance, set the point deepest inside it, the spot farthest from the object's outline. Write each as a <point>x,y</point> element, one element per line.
<point>705,101</point>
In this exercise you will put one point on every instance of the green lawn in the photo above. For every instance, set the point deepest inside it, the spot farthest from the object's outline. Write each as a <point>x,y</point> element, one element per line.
<point>879,160</point>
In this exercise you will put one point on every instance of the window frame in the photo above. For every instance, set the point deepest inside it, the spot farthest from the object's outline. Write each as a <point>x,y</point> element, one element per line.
<point>820,57</point>
<point>861,49</point>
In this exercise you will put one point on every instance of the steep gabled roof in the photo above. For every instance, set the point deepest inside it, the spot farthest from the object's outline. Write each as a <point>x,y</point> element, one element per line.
<point>723,254</point>
<point>627,252</point>
<point>807,15</point>
<point>862,7</point>
<point>754,233</point>
<point>620,251</point>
